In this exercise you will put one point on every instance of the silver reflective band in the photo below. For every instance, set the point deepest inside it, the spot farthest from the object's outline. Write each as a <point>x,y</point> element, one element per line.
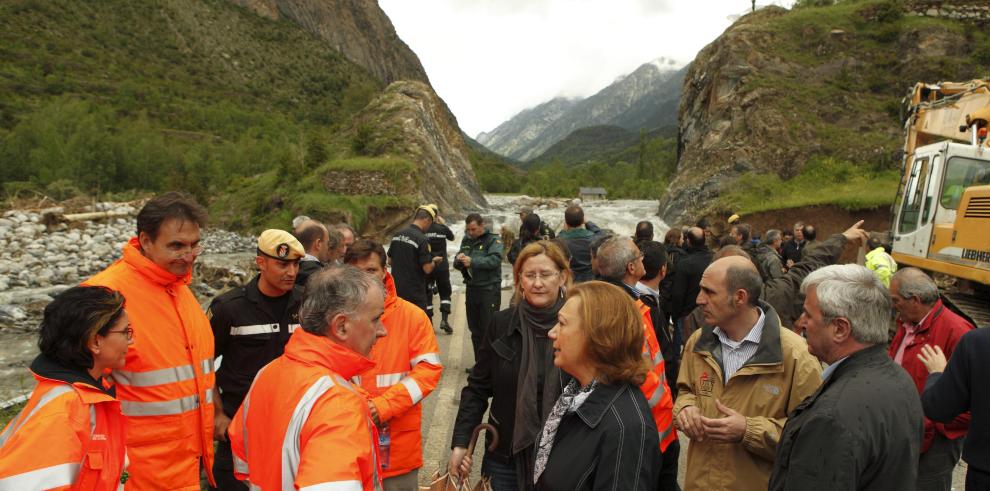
<point>414,392</point>
<point>241,466</point>
<point>657,359</point>
<point>290,444</point>
<point>293,327</point>
<point>253,329</point>
<point>388,379</point>
<point>45,399</point>
<point>207,365</point>
<point>46,478</point>
<point>154,377</point>
<point>334,486</point>
<point>161,408</point>
<point>657,395</point>
<point>432,358</point>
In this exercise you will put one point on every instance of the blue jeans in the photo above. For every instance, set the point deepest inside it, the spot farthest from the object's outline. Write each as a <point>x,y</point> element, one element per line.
<point>503,475</point>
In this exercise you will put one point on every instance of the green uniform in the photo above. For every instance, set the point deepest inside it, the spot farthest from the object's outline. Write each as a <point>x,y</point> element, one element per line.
<point>484,283</point>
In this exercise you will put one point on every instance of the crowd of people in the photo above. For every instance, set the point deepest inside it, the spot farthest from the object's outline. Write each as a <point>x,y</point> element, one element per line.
<point>776,364</point>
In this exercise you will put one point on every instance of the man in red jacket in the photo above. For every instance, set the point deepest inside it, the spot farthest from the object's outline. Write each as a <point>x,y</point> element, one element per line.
<point>923,319</point>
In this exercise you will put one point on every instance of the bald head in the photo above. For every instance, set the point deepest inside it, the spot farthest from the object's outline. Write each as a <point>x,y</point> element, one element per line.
<point>695,237</point>
<point>313,236</point>
<point>739,275</point>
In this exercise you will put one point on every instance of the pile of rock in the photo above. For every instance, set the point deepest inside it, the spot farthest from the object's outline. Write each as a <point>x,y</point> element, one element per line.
<point>41,256</point>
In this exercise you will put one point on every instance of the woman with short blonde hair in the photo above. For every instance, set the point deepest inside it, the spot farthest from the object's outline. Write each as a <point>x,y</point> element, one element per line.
<point>516,371</point>
<point>600,433</point>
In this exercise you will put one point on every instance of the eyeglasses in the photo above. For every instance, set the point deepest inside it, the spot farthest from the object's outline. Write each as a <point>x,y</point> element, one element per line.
<point>183,252</point>
<point>544,275</point>
<point>127,332</point>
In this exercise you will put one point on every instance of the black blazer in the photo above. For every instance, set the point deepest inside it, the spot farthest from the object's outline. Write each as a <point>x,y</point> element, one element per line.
<point>495,375</point>
<point>609,443</point>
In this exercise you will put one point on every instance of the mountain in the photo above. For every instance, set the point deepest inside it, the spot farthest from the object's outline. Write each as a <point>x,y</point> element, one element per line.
<point>359,29</point>
<point>250,113</point>
<point>645,98</point>
<point>605,144</point>
<point>801,107</point>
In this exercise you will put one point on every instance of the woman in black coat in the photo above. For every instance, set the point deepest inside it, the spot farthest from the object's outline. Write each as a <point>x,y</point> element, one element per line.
<point>600,434</point>
<point>515,369</point>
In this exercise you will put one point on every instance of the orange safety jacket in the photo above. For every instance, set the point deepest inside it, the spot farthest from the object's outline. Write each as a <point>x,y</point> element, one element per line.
<point>655,387</point>
<point>69,436</point>
<point>303,425</point>
<point>407,369</point>
<point>166,386</point>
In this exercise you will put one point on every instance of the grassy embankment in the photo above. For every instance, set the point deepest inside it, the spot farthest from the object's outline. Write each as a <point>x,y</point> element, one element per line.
<point>105,98</point>
<point>857,60</point>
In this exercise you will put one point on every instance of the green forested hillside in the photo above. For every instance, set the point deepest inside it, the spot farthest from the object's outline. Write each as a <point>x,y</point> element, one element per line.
<point>116,95</point>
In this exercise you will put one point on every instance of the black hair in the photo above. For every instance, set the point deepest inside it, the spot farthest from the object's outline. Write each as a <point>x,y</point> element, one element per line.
<point>654,258</point>
<point>574,216</point>
<point>171,205</point>
<point>695,239</point>
<point>644,231</point>
<point>530,226</point>
<point>474,218</point>
<point>73,318</point>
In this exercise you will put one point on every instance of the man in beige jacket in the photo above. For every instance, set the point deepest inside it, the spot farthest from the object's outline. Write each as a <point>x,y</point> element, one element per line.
<point>738,381</point>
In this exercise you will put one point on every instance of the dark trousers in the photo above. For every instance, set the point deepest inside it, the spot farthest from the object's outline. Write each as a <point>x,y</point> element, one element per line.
<point>977,480</point>
<point>936,465</point>
<point>481,303</point>
<point>441,278</point>
<point>504,475</point>
<point>667,477</point>
<point>223,469</point>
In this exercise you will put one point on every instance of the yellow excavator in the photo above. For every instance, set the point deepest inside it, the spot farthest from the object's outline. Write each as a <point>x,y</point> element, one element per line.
<point>942,211</point>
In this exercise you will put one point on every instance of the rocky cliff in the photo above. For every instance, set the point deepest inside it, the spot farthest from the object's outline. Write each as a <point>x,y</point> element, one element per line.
<point>646,98</point>
<point>359,29</point>
<point>409,120</point>
<point>783,93</point>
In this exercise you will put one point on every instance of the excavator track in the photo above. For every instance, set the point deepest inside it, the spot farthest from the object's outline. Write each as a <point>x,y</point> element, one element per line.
<point>976,307</point>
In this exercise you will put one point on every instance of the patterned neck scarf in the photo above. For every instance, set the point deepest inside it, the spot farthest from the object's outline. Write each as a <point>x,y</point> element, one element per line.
<point>570,400</point>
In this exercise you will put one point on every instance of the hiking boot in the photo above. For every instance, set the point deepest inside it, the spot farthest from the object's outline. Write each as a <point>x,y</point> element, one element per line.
<point>446,327</point>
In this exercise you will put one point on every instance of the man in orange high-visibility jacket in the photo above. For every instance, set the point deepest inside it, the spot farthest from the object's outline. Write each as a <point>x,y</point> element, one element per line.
<point>166,385</point>
<point>302,424</point>
<point>621,263</point>
<point>407,369</point>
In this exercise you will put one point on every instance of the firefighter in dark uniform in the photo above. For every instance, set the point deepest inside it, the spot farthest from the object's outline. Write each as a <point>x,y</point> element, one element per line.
<point>438,234</point>
<point>251,325</point>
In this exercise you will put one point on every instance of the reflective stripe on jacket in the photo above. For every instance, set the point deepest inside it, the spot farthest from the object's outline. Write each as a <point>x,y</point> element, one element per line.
<point>167,377</point>
<point>68,436</point>
<point>407,369</point>
<point>655,387</point>
<point>768,387</point>
<point>303,425</point>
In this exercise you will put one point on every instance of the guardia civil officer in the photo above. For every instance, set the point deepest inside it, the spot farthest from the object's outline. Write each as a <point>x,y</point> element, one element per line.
<point>438,234</point>
<point>410,258</point>
<point>251,325</point>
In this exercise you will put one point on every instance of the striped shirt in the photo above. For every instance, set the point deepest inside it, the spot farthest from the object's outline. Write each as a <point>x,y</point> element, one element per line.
<point>735,354</point>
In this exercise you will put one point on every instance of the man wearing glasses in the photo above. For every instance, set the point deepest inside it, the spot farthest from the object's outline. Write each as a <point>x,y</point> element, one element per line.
<point>166,384</point>
<point>251,325</point>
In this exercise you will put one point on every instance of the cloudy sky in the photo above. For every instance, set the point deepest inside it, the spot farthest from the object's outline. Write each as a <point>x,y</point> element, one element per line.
<point>490,59</point>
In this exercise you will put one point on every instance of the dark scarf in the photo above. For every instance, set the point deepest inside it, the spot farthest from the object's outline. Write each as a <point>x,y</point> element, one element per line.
<point>534,321</point>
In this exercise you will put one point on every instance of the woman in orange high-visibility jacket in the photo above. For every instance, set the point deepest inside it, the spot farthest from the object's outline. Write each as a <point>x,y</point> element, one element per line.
<point>70,435</point>
<point>166,386</point>
<point>302,424</point>
<point>407,369</point>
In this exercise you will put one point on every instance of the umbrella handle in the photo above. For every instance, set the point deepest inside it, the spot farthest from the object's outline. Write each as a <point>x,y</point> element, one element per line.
<point>477,431</point>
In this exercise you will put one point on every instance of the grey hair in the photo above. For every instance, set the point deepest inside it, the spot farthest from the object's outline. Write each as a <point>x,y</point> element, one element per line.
<point>614,255</point>
<point>338,289</point>
<point>913,282</point>
<point>334,237</point>
<point>855,293</point>
<point>771,236</point>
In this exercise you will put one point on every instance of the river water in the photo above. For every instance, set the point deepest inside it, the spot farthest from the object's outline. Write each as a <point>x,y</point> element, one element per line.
<point>618,216</point>
<point>19,346</point>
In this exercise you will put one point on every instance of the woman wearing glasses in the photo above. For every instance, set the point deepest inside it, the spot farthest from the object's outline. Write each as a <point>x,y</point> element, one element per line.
<point>515,369</point>
<point>70,435</point>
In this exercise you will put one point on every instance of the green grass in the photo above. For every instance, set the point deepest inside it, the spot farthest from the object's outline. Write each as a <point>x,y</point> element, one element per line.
<point>824,181</point>
<point>10,413</point>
